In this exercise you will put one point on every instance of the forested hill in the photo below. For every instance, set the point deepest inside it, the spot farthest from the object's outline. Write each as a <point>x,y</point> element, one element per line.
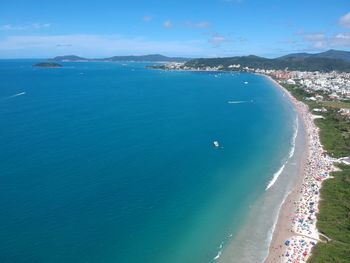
<point>302,63</point>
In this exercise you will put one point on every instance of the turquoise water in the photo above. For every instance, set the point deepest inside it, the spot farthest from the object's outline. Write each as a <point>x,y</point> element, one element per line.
<point>111,162</point>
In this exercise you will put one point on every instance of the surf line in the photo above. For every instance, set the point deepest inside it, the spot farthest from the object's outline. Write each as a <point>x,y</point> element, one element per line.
<point>290,155</point>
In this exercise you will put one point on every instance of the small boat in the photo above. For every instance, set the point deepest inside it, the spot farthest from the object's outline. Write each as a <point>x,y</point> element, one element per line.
<point>216,144</point>
<point>246,82</point>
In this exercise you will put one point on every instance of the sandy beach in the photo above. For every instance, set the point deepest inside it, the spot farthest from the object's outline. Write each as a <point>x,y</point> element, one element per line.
<point>295,233</point>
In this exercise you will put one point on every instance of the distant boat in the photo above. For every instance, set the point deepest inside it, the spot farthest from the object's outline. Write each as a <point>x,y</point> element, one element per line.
<point>246,82</point>
<point>216,144</point>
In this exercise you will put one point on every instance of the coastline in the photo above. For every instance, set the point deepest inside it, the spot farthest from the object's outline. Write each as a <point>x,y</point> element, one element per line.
<point>256,232</point>
<point>295,232</point>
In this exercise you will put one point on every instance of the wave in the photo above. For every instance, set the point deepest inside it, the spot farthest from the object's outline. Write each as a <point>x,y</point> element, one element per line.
<point>275,177</point>
<point>218,255</point>
<point>290,155</point>
<point>296,128</point>
<point>219,252</point>
<point>272,229</point>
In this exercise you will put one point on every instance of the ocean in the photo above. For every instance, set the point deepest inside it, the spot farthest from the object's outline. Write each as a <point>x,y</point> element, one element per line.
<point>114,162</point>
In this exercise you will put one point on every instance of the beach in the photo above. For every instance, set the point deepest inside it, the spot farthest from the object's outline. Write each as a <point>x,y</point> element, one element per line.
<point>295,233</point>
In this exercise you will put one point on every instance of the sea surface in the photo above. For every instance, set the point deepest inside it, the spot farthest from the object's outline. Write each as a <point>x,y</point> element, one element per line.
<point>113,162</point>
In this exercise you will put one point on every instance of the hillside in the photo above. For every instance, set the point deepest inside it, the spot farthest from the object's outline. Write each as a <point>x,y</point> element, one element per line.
<point>300,62</point>
<point>331,54</point>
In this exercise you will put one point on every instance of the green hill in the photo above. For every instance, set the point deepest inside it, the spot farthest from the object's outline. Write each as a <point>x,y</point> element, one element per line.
<point>301,63</point>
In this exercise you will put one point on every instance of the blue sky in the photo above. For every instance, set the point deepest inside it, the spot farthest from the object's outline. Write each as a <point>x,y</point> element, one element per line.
<point>192,28</point>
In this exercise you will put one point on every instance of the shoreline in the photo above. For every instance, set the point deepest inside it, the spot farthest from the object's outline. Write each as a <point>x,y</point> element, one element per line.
<point>256,232</point>
<point>295,232</point>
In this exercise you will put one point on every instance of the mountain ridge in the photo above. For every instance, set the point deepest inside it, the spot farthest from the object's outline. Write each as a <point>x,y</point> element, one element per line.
<point>331,53</point>
<point>141,58</point>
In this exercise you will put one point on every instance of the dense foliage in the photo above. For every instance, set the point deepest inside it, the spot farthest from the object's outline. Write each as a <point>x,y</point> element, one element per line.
<point>334,219</point>
<point>290,63</point>
<point>47,65</point>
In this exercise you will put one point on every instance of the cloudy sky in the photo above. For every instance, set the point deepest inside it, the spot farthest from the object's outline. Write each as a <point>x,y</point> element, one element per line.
<point>207,28</point>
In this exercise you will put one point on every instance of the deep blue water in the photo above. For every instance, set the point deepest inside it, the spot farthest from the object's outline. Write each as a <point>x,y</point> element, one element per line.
<point>105,162</point>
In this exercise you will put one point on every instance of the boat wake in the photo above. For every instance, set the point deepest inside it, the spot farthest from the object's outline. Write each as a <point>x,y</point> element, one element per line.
<point>290,155</point>
<point>16,95</point>
<point>239,101</point>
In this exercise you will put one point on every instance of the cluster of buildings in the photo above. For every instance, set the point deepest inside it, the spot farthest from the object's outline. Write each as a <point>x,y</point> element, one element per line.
<point>335,84</point>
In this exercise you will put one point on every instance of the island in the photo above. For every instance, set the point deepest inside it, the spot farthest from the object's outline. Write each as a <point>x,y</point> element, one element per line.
<point>47,65</point>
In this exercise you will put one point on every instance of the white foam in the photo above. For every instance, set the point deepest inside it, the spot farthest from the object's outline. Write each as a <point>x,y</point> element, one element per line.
<point>291,153</point>
<point>218,255</point>
<point>275,177</point>
<point>272,229</point>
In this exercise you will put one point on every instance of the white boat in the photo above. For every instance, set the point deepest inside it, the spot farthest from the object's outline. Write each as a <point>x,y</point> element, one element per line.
<point>216,144</point>
<point>246,82</point>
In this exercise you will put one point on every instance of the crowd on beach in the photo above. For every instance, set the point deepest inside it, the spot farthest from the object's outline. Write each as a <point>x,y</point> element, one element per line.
<point>317,168</point>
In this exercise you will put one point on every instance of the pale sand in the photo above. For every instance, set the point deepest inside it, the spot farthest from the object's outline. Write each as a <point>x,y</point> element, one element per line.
<point>302,240</point>
<point>284,228</point>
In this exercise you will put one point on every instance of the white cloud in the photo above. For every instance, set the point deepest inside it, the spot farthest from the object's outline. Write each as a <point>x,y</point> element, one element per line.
<point>200,25</point>
<point>216,40</point>
<point>147,18</point>
<point>314,36</point>
<point>168,24</point>
<point>93,45</point>
<point>345,20</point>
<point>33,26</point>
<point>322,41</point>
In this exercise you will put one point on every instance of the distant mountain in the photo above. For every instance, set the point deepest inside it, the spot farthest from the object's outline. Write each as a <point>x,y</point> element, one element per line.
<point>69,58</point>
<point>152,58</point>
<point>296,55</point>
<point>335,54</point>
<point>331,54</point>
<point>144,58</point>
<point>299,62</point>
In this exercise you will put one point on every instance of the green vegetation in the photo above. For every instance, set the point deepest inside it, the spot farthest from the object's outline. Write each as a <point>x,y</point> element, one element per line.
<point>334,215</point>
<point>290,62</point>
<point>334,219</point>
<point>334,128</point>
<point>336,104</point>
<point>47,65</point>
<point>335,133</point>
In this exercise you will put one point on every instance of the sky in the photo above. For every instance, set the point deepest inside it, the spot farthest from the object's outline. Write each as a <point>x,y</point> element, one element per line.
<point>190,28</point>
